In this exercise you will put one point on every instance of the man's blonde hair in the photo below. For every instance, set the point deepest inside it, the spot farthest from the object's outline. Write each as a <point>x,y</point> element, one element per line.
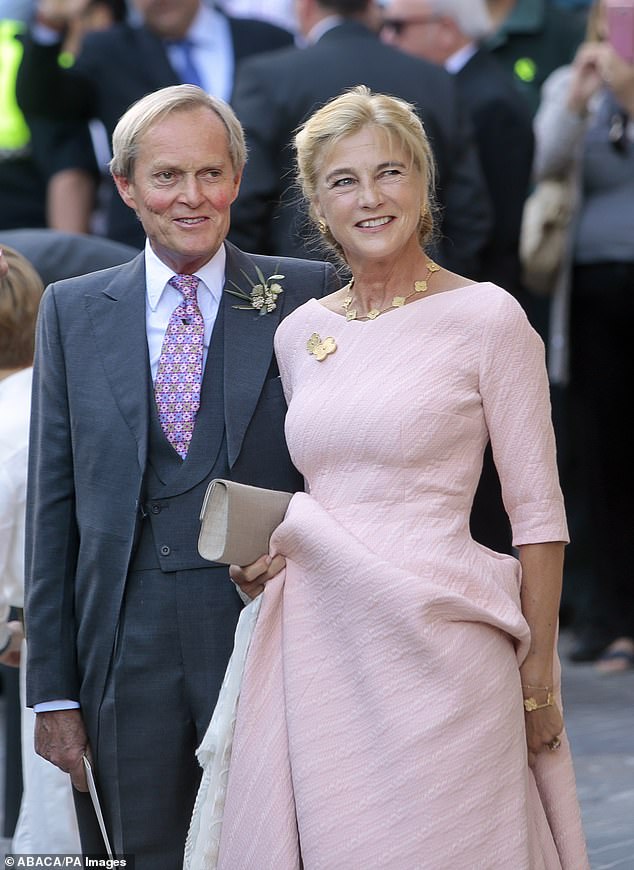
<point>153,107</point>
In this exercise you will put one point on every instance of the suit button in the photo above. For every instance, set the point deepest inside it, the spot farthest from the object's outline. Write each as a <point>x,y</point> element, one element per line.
<point>156,508</point>
<point>165,550</point>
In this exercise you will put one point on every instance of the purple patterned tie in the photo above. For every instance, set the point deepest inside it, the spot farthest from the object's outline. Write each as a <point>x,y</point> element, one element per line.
<point>180,370</point>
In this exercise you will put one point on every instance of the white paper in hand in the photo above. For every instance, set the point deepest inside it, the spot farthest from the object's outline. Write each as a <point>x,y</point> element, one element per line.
<point>92,788</point>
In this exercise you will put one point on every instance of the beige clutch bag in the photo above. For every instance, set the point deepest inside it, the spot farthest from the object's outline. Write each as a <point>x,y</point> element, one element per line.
<point>237,521</point>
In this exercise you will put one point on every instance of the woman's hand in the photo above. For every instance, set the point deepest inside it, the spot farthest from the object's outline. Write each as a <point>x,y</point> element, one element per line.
<point>587,76</point>
<point>618,75</point>
<point>543,729</point>
<point>250,579</point>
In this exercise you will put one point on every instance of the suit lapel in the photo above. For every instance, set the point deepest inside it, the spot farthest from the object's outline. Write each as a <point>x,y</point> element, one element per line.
<point>248,351</point>
<point>117,315</point>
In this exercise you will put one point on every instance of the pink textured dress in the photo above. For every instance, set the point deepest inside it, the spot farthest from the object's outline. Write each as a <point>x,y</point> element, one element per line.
<point>380,722</point>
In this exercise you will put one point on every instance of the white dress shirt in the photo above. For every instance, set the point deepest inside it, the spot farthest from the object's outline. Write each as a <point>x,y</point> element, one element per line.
<point>212,52</point>
<point>460,58</point>
<point>162,299</point>
<point>280,12</point>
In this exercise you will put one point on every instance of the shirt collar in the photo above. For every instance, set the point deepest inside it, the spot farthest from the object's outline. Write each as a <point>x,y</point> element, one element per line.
<point>204,25</point>
<point>323,26</point>
<point>460,58</point>
<point>157,274</point>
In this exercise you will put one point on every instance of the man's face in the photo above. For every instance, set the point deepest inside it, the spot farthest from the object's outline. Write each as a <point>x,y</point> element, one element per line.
<point>169,19</point>
<point>182,187</point>
<point>411,26</point>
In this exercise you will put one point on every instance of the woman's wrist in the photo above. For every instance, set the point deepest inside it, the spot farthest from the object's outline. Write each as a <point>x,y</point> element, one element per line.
<point>537,674</point>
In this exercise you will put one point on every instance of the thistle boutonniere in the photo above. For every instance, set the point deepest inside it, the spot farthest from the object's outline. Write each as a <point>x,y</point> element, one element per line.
<point>263,294</point>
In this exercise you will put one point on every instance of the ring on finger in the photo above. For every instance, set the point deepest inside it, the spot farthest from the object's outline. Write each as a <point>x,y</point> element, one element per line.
<point>554,744</point>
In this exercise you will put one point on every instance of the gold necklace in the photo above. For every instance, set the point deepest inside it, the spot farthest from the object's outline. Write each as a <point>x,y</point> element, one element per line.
<point>397,301</point>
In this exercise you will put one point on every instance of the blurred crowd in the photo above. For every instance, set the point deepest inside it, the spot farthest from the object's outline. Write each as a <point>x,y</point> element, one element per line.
<point>532,91</point>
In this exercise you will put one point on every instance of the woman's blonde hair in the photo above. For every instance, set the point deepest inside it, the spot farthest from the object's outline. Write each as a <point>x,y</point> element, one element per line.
<point>20,293</point>
<point>346,115</point>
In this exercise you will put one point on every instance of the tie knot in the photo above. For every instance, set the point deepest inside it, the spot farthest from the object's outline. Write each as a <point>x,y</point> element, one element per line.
<point>184,44</point>
<point>187,284</point>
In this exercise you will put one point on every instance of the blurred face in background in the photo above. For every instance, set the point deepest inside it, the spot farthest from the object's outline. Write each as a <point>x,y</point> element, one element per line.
<point>169,19</point>
<point>411,26</point>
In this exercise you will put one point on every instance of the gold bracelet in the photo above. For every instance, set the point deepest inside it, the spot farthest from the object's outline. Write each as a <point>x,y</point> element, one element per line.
<point>530,704</point>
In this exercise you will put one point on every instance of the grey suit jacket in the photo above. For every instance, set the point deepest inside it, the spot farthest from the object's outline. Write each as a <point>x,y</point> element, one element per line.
<point>89,443</point>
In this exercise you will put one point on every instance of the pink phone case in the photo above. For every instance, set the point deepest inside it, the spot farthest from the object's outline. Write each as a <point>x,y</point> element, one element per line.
<point>620,19</point>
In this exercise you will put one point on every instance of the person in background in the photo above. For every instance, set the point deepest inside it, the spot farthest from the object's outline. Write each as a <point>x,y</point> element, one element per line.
<point>46,822</point>
<point>280,12</point>
<point>535,38</point>
<point>585,130</point>
<point>129,628</point>
<point>580,8</point>
<point>89,192</point>
<point>47,171</point>
<point>450,32</point>
<point>395,662</point>
<point>163,43</point>
<point>277,91</point>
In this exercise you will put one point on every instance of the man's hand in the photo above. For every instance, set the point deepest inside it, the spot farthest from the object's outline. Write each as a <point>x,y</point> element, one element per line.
<point>11,655</point>
<point>251,578</point>
<point>60,737</point>
<point>58,13</point>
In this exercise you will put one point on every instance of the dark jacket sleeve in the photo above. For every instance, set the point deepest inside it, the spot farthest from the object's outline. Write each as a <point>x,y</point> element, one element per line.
<point>262,117</point>
<point>47,90</point>
<point>467,215</point>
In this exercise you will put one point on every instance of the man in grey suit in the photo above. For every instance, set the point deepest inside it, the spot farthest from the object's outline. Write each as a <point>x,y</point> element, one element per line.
<point>129,629</point>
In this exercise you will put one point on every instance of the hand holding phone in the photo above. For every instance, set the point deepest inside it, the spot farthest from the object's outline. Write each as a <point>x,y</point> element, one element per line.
<point>620,26</point>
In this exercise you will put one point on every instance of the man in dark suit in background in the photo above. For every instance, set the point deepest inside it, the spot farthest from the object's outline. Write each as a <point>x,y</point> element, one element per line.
<point>167,42</point>
<point>129,629</point>
<point>274,93</point>
<point>37,158</point>
<point>449,33</point>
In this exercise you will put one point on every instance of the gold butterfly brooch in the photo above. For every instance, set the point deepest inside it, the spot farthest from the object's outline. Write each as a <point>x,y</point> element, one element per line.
<point>320,349</point>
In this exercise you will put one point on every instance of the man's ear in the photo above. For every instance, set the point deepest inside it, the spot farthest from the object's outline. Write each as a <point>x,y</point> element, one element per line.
<point>126,190</point>
<point>237,180</point>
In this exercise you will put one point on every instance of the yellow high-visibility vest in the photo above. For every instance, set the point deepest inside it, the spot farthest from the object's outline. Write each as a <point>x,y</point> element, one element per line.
<point>14,132</point>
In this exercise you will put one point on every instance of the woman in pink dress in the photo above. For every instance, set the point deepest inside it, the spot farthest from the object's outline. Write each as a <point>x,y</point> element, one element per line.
<point>400,705</point>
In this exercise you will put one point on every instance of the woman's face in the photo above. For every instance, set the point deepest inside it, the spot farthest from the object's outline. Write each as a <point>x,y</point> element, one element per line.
<point>370,195</point>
